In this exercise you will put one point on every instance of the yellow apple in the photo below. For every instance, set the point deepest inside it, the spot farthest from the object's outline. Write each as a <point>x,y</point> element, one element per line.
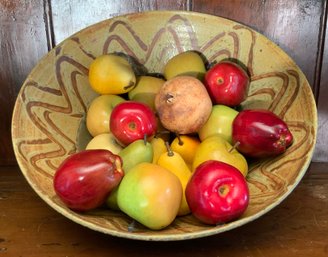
<point>219,122</point>
<point>105,141</point>
<point>99,111</point>
<point>186,63</point>
<point>146,89</point>
<point>111,74</point>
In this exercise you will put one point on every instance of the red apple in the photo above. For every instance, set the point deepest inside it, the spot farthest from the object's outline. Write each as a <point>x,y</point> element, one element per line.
<point>227,83</point>
<point>260,133</point>
<point>131,120</point>
<point>85,179</point>
<point>217,193</point>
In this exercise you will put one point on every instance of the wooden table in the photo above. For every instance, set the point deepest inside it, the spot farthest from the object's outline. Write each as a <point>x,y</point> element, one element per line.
<point>297,227</point>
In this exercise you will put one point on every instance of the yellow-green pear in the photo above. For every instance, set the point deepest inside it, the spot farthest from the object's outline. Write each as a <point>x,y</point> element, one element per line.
<point>151,195</point>
<point>217,148</point>
<point>137,152</point>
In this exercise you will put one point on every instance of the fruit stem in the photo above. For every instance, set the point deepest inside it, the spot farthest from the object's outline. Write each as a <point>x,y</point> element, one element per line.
<point>234,146</point>
<point>130,85</point>
<point>220,80</point>
<point>223,190</point>
<point>145,139</point>
<point>169,150</point>
<point>169,98</point>
<point>179,139</point>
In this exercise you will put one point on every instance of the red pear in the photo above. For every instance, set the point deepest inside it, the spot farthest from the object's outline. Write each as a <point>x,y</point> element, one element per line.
<point>85,179</point>
<point>260,133</point>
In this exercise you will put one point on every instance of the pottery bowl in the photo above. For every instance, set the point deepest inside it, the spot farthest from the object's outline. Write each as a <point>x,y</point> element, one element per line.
<point>49,116</point>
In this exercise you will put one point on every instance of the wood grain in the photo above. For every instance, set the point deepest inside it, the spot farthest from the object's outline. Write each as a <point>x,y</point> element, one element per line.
<point>321,151</point>
<point>297,227</point>
<point>67,19</point>
<point>23,42</point>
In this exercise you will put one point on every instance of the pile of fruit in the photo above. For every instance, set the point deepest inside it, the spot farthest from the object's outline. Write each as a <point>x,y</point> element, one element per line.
<point>169,146</point>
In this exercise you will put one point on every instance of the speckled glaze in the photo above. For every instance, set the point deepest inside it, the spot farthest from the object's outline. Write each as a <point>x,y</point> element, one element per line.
<point>48,121</point>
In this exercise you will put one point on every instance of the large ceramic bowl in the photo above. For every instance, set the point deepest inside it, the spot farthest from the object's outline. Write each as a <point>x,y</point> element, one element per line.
<point>49,115</point>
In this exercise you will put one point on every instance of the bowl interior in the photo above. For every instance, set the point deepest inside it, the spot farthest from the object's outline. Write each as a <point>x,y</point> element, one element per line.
<point>49,116</point>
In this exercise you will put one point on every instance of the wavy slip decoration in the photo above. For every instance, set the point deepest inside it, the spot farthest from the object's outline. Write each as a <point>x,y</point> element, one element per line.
<point>49,112</point>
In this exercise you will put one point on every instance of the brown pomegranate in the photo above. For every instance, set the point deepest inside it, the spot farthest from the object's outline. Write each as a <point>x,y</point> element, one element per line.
<point>183,104</point>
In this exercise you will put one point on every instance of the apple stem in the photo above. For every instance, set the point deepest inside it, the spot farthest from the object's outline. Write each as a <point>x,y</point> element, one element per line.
<point>145,139</point>
<point>223,190</point>
<point>179,139</point>
<point>169,150</point>
<point>220,80</point>
<point>234,146</point>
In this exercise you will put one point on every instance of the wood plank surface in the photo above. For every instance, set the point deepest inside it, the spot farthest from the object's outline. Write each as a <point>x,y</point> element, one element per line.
<point>321,151</point>
<point>297,227</point>
<point>67,18</point>
<point>23,41</point>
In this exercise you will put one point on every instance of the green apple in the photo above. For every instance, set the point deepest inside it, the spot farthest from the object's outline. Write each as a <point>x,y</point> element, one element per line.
<point>105,141</point>
<point>219,122</point>
<point>146,89</point>
<point>151,195</point>
<point>217,148</point>
<point>186,63</point>
<point>137,152</point>
<point>98,113</point>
